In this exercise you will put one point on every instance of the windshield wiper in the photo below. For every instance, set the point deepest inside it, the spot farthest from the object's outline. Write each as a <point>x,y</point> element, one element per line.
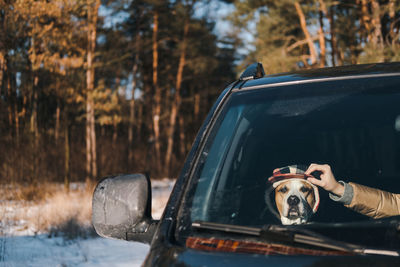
<point>276,233</point>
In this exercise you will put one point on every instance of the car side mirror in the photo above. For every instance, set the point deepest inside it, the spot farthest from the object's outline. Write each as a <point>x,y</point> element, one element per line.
<point>121,208</point>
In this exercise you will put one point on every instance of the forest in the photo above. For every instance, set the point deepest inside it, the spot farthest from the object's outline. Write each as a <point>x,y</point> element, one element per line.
<point>90,88</point>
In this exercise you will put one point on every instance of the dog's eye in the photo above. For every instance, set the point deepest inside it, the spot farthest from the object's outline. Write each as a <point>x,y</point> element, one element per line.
<point>283,189</point>
<point>305,189</point>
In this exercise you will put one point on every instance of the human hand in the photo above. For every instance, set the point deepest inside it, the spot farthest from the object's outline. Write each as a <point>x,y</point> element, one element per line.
<point>327,181</point>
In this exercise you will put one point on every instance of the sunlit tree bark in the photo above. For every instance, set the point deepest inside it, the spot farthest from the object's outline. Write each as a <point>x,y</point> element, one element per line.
<point>177,97</point>
<point>311,46</point>
<point>91,157</point>
<point>377,38</point>
<point>157,91</point>
<point>34,112</point>
<point>321,33</point>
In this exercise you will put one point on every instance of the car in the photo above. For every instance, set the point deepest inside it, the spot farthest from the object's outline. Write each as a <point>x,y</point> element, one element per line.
<point>222,210</point>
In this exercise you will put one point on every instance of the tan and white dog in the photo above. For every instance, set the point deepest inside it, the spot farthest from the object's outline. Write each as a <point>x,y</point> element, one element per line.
<point>296,198</point>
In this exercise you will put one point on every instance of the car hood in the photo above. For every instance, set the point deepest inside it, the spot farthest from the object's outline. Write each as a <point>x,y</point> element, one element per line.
<point>178,256</point>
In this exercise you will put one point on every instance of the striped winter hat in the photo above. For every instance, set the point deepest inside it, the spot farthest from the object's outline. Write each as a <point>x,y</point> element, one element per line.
<point>296,172</point>
<point>288,172</point>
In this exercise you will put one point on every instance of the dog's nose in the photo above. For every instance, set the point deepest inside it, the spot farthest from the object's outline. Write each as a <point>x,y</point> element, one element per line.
<point>293,200</point>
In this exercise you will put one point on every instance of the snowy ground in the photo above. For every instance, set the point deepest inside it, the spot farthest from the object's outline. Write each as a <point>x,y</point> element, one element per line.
<point>43,251</point>
<point>22,245</point>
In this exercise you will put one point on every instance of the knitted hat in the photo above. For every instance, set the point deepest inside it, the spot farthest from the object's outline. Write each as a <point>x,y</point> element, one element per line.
<point>294,172</point>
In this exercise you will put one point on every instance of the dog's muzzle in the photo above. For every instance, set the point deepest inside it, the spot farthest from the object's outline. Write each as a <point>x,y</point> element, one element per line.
<point>293,211</point>
<point>293,200</point>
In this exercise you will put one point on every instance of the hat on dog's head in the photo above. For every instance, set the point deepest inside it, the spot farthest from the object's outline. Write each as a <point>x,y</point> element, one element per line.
<point>296,172</point>
<point>289,172</point>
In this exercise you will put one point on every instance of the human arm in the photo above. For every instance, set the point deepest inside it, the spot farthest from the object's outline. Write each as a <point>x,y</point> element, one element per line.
<point>369,201</point>
<point>373,202</point>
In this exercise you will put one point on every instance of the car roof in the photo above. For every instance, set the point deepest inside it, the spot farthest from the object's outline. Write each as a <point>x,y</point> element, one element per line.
<point>322,74</point>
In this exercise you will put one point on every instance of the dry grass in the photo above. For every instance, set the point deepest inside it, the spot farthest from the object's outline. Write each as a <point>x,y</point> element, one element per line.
<point>31,192</point>
<point>68,213</point>
<point>48,209</point>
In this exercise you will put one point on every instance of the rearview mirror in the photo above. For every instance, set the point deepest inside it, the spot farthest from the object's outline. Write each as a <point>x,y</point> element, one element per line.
<point>121,208</point>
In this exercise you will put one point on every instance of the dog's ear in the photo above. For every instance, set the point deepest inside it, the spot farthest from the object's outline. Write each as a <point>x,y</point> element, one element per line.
<point>316,197</point>
<point>271,205</point>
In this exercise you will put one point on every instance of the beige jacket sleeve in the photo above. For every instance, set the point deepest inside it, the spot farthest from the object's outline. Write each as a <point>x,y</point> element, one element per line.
<point>373,202</point>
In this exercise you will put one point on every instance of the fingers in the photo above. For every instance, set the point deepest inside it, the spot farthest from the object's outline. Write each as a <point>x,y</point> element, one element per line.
<point>315,181</point>
<point>311,168</point>
<point>318,167</point>
<point>327,180</point>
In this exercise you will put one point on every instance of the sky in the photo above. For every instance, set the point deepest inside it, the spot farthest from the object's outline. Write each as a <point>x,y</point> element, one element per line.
<point>214,10</point>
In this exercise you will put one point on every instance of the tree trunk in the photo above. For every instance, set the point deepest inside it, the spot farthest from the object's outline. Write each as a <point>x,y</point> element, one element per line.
<point>16,116</point>
<point>115,118</point>
<point>333,35</point>
<point>392,16</point>
<point>4,78</point>
<point>115,133</point>
<point>365,19</point>
<point>182,147</point>
<point>14,103</point>
<point>24,106</point>
<point>139,120</point>
<point>2,69</point>
<point>303,23</point>
<point>321,33</point>
<point>9,98</point>
<point>57,126</point>
<point>67,155</point>
<point>91,157</point>
<point>196,106</point>
<point>157,91</point>
<point>130,130</point>
<point>89,105</point>
<point>93,142</point>
<point>34,114</point>
<point>177,98</point>
<point>12,107</point>
<point>132,101</point>
<point>377,38</point>
<point>392,11</point>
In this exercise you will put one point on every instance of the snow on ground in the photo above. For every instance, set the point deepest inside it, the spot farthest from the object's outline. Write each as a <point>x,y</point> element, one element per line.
<point>22,246</point>
<point>43,251</point>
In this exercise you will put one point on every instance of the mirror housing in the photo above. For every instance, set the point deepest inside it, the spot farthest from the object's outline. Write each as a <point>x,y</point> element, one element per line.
<point>121,208</point>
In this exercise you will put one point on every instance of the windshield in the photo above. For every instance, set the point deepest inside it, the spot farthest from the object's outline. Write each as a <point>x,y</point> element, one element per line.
<point>353,125</point>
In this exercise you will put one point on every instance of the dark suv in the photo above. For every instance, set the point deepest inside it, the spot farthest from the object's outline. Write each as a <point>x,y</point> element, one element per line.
<point>218,212</point>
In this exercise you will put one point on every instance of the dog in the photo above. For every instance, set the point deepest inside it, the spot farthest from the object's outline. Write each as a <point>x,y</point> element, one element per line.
<point>296,198</point>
